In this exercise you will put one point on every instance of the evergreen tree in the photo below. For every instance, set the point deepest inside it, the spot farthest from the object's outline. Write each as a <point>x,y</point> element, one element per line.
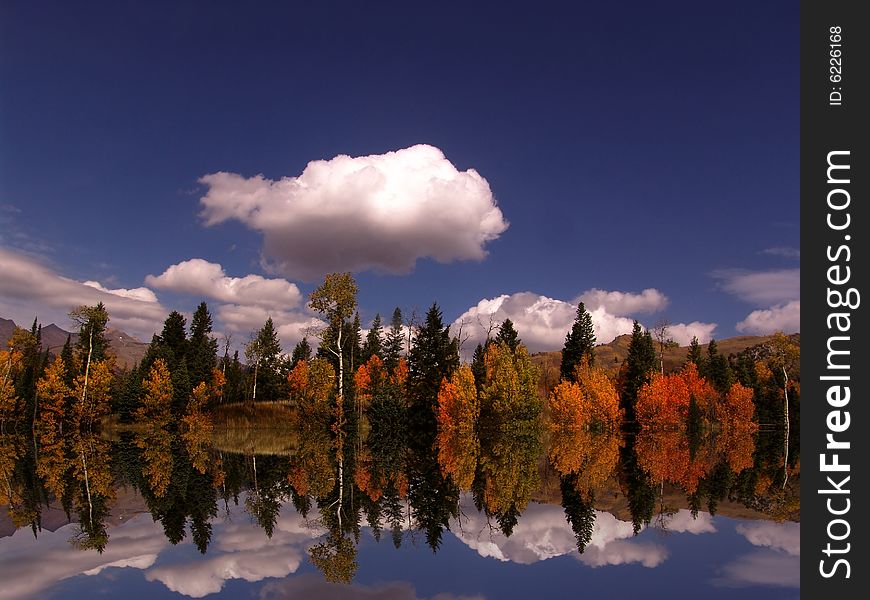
<point>373,345</point>
<point>394,341</point>
<point>716,369</point>
<point>174,338</point>
<point>66,355</point>
<point>433,357</point>
<point>579,511</point>
<point>202,348</point>
<point>302,351</point>
<point>355,341</point>
<point>639,366</point>
<point>264,358</point>
<point>234,390</point>
<point>579,342</point>
<point>508,335</point>
<point>694,355</point>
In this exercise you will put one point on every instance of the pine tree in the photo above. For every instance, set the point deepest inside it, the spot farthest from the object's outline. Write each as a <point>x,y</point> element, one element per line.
<point>478,366</point>
<point>433,357</point>
<point>373,345</point>
<point>202,348</point>
<point>174,338</point>
<point>302,351</point>
<point>639,365</point>
<point>694,356</point>
<point>66,355</point>
<point>716,369</point>
<point>394,341</point>
<point>508,335</point>
<point>579,342</point>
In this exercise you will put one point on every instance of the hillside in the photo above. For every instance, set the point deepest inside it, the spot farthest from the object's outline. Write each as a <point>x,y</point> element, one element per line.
<point>127,349</point>
<point>610,356</point>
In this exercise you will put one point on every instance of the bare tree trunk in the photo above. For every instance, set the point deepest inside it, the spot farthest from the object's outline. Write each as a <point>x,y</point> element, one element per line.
<point>87,370</point>
<point>88,490</point>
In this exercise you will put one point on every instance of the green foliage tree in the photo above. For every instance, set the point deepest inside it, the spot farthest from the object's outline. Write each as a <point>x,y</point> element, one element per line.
<point>579,342</point>
<point>507,334</point>
<point>394,341</point>
<point>263,353</point>
<point>639,365</point>
<point>373,345</point>
<point>694,356</point>
<point>434,356</point>
<point>202,347</point>
<point>301,351</point>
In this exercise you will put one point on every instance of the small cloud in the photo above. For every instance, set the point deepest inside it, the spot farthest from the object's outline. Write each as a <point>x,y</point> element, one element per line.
<point>782,317</point>
<point>308,585</point>
<point>763,288</point>
<point>199,277</point>
<point>783,251</point>
<point>777,536</point>
<point>142,293</point>
<point>291,325</point>
<point>621,304</point>
<point>380,212</point>
<point>682,333</point>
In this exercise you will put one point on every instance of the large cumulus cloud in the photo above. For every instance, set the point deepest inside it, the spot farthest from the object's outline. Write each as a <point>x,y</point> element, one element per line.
<point>381,212</point>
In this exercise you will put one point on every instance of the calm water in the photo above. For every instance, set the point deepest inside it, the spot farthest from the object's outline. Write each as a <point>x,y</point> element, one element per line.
<point>298,514</point>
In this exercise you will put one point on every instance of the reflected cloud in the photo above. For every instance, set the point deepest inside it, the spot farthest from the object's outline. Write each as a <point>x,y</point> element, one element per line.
<point>777,564</point>
<point>543,533</point>
<point>313,586</point>
<point>30,568</point>
<point>683,522</point>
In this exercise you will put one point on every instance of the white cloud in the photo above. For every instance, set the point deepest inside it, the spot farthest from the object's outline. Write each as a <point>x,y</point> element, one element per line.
<point>30,569</point>
<point>763,288</point>
<point>543,323</point>
<point>778,536</point>
<point>682,333</point>
<point>764,567</point>
<point>543,533</point>
<point>309,585</point>
<point>291,325</point>
<point>199,277</point>
<point>29,288</point>
<point>621,304</point>
<point>142,293</point>
<point>683,522</point>
<point>380,212</point>
<point>782,317</point>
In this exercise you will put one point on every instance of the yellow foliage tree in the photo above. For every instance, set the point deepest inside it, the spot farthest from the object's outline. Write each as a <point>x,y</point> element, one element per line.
<point>54,394</point>
<point>156,406</point>
<point>602,400</point>
<point>93,392</point>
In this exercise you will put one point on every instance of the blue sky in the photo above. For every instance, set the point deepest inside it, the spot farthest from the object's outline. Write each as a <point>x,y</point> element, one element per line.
<point>620,148</point>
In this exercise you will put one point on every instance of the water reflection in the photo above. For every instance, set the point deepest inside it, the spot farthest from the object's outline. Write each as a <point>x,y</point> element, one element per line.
<point>517,495</point>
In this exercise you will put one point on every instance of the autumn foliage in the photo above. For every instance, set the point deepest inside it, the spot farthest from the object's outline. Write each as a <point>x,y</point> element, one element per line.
<point>590,401</point>
<point>458,407</point>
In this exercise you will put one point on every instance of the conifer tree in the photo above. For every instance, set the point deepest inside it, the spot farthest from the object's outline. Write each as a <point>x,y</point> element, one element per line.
<point>373,345</point>
<point>66,355</point>
<point>478,366</point>
<point>508,335</point>
<point>579,342</point>
<point>202,348</point>
<point>433,357</point>
<point>716,369</point>
<point>638,367</point>
<point>394,341</point>
<point>302,351</point>
<point>694,356</point>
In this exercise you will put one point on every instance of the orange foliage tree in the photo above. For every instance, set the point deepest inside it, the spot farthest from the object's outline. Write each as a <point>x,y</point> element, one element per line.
<point>602,400</point>
<point>592,456</point>
<point>458,407</point>
<point>368,381</point>
<point>311,386</point>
